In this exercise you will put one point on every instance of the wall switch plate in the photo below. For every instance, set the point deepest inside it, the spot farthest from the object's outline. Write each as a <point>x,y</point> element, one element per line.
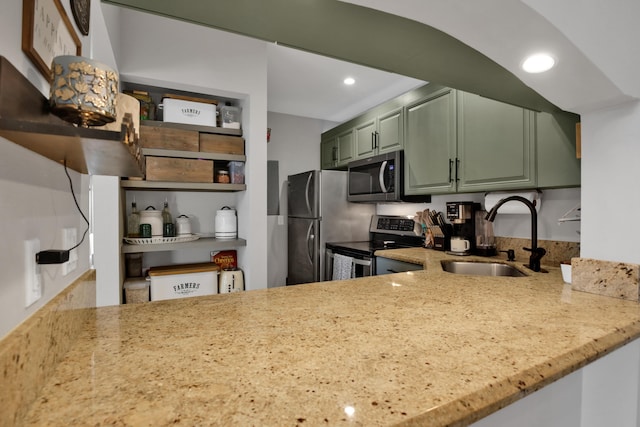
<point>69,240</point>
<point>33,279</point>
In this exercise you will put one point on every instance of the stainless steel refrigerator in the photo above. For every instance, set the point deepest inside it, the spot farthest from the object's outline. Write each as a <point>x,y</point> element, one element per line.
<point>318,212</point>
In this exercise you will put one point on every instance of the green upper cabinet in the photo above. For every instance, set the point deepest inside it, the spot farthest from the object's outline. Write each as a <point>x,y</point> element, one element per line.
<point>366,134</point>
<point>336,150</point>
<point>460,142</point>
<point>558,165</point>
<point>345,147</point>
<point>391,131</point>
<point>430,144</point>
<point>496,149</point>
<point>329,153</point>
<point>456,141</point>
<point>379,134</point>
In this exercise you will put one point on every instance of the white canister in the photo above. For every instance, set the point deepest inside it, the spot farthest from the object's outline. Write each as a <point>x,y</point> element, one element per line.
<point>226,224</point>
<point>154,217</point>
<point>183,225</point>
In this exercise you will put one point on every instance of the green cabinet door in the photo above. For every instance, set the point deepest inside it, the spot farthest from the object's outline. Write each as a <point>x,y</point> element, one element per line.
<point>558,165</point>
<point>365,134</point>
<point>329,153</point>
<point>496,145</point>
<point>390,135</point>
<point>345,148</point>
<point>430,144</point>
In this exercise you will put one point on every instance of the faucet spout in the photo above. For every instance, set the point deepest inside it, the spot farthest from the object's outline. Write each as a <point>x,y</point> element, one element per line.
<point>536,252</point>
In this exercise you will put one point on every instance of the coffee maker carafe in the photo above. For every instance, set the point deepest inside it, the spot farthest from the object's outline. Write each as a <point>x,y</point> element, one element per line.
<point>485,239</point>
<point>462,216</point>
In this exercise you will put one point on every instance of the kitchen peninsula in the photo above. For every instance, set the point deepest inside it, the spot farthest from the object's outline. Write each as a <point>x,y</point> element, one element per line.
<point>417,348</point>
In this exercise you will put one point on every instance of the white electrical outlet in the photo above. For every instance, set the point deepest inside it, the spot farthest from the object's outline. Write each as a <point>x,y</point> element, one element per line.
<point>69,240</point>
<point>32,278</point>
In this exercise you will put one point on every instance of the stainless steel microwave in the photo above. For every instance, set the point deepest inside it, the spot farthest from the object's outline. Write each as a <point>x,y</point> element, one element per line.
<point>376,179</point>
<point>379,179</point>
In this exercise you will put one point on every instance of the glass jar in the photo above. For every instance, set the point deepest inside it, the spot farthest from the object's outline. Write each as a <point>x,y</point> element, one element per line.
<point>133,222</point>
<point>223,177</point>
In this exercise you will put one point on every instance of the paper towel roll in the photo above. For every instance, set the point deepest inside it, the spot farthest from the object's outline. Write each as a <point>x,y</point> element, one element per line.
<point>512,207</point>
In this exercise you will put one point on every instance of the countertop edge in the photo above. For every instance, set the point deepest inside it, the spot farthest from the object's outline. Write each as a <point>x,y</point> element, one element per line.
<point>474,406</point>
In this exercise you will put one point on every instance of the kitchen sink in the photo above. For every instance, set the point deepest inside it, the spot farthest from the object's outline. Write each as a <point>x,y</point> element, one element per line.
<point>481,268</point>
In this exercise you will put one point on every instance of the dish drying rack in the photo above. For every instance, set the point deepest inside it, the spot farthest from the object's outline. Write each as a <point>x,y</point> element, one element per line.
<point>571,215</point>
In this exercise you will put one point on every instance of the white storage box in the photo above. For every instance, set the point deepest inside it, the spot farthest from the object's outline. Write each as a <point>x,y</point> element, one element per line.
<point>182,281</point>
<point>188,112</point>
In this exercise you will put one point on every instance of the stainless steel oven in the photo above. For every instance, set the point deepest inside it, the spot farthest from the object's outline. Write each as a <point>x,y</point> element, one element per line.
<point>385,232</point>
<point>360,252</point>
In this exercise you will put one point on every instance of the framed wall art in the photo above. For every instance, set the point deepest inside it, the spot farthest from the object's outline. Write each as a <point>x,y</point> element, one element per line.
<point>47,32</point>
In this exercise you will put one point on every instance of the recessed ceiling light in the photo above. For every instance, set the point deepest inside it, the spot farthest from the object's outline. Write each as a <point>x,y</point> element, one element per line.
<point>538,63</point>
<point>349,81</point>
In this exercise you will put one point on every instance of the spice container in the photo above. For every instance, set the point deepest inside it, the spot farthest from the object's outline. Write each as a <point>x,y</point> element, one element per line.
<point>133,222</point>
<point>230,117</point>
<point>236,170</point>
<point>223,177</point>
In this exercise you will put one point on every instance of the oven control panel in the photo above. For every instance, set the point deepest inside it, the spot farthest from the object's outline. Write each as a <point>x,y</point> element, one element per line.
<point>400,225</point>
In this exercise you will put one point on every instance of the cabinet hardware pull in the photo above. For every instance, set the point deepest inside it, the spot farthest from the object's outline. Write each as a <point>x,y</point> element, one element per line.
<point>450,168</point>
<point>457,165</point>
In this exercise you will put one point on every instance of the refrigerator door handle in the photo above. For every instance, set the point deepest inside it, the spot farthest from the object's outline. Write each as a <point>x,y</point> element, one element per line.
<point>306,193</point>
<point>383,168</point>
<point>310,243</point>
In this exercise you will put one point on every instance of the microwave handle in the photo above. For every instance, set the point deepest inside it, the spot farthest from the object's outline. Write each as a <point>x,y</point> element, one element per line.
<point>383,168</point>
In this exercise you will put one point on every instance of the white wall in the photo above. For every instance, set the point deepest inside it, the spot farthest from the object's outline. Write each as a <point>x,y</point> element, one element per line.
<point>555,203</point>
<point>295,144</point>
<point>35,199</point>
<point>610,176</point>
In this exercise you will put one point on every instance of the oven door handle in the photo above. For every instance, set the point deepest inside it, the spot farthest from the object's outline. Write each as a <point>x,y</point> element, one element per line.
<point>366,262</point>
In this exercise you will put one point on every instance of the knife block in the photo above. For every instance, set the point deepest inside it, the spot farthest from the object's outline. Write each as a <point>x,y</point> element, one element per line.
<point>442,243</point>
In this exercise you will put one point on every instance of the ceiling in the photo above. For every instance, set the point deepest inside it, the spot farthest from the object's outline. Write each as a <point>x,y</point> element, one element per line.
<point>309,85</point>
<point>351,33</point>
<point>473,46</point>
<point>594,42</point>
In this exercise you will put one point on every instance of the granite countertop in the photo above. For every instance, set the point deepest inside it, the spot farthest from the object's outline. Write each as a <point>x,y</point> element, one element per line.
<point>417,348</point>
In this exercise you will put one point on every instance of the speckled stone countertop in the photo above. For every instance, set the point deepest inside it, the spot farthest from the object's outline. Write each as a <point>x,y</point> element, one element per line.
<point>417,348</point>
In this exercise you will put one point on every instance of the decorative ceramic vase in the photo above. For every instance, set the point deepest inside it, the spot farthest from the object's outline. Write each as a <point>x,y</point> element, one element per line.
<point>83,91</point>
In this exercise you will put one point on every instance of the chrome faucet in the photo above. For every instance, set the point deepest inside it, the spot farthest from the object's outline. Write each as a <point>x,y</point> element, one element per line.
<point>536,252</point>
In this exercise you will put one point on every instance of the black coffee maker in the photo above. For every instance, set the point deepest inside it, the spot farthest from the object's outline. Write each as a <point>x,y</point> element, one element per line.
<point>462,216</point>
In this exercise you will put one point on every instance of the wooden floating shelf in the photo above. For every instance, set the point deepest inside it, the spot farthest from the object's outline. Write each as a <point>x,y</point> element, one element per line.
<point>132,184</point>
<point>26,121</point>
